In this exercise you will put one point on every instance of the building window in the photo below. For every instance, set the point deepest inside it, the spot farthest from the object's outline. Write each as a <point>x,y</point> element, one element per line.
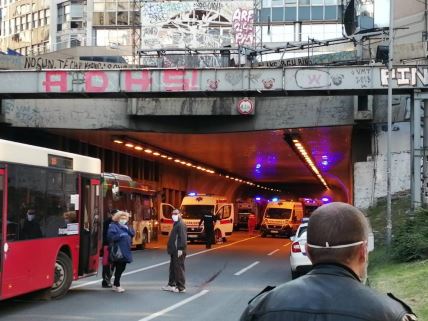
<point>304,13</point>
<point>330,12</point>
<point>277,14</point>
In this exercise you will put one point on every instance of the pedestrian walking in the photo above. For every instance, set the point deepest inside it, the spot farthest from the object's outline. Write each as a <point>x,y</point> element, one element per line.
<point>251,223</point>
<point>209,220</point>
<point>337,244</point>
<point>107,265</point>
<point>120,238</point>
<point>176,248</point>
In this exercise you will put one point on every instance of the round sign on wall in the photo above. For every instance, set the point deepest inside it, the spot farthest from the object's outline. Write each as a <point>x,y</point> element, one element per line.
<point>245,106</point>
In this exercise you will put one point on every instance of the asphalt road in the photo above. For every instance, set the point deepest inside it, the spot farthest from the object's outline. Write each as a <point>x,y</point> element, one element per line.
<point>219,282</point>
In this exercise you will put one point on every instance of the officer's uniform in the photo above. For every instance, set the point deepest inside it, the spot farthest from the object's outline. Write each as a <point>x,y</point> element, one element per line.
<point>209,221</point>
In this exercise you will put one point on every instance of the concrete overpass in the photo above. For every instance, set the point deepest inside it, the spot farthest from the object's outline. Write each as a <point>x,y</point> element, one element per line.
<point>134,102</point>
<point>266,82</point>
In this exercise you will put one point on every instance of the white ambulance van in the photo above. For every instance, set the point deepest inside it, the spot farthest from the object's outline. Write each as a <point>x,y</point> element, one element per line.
<point>193,208</point>
<point>281,218</point>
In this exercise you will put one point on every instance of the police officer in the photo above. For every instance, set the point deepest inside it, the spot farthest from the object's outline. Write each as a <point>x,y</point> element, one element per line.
<point>209,220</point>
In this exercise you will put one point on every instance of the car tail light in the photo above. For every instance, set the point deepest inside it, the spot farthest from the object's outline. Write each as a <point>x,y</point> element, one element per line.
<point>295,247</point>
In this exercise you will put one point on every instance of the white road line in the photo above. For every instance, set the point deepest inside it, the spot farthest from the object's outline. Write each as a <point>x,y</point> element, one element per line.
<point>286,244</point>
<point>160,264</point>
<point>273,252</point>
<point>175,306</point>
<point>247,268</point>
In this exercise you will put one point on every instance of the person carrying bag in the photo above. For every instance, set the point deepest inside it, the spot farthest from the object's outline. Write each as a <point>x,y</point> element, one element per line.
<point>120,236</point>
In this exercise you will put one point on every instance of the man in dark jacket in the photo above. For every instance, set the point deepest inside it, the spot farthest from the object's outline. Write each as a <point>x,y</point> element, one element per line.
<point>177,246</point>
<point>209,220</point>
<point>337,238</point>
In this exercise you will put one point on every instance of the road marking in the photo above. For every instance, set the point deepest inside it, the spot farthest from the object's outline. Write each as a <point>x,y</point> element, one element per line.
<point>160,264</point>
<point>175,306</point>
<point>273,252</point>
<point>286,244</point>
<point>247,268</point>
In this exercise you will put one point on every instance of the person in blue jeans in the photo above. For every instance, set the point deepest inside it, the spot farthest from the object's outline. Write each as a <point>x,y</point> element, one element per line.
<point>120,233</point>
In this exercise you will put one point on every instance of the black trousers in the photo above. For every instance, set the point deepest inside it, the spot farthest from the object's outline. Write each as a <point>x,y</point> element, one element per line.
<point>119,267</point>
<point>209,236</point>
<point>176,271</point>
<point>107,271</point>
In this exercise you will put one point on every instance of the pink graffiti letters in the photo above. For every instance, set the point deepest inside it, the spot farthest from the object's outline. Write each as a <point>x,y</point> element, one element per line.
<point>100,81</point>
<point>242,22</point>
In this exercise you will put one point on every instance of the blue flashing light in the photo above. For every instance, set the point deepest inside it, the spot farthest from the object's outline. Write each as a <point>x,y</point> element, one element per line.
<point>258,165</point>
<point>258,198</point>
<point>325,163</point>
<point>326,199</point>
<point>275,199</point>
<point>192,194</point>
<point>324,157</point>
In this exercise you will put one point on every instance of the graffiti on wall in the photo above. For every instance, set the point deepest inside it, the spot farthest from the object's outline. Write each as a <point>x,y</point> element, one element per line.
<point>196,24</point>
<point>406,76</point>
<point>243,21</point>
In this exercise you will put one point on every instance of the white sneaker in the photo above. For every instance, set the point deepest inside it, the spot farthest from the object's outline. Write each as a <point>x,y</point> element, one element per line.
<point>118,289</point>
<point>168,288</point>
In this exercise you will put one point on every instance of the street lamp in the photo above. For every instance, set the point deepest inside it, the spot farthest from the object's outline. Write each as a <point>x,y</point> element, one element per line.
<point>388,153</point>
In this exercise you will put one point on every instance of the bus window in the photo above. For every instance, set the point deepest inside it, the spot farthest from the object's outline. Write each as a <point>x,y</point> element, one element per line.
<point>26,206</point>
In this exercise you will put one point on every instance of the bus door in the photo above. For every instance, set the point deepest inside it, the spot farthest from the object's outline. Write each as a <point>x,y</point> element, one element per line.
<point>3,214</point>
<point>90,225</point>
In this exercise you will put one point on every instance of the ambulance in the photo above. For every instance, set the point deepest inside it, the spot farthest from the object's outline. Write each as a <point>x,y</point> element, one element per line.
<point>281,218</point>
<point>193,208</point>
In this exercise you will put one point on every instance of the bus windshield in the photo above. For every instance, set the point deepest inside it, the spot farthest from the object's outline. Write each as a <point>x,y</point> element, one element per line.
<point>278,213</point>
<point>196,211</point>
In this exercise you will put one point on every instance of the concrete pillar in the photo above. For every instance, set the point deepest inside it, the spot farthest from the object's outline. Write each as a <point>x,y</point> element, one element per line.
<point>425,156</point>
<point>416,152</point>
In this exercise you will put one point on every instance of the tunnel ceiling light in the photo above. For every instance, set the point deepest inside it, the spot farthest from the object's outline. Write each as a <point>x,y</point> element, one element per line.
<point>137,146</point>
<point>298,147</point>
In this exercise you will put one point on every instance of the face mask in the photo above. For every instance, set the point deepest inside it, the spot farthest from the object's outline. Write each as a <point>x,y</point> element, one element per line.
<point>123,222</point>
<point>30,217</point>
<point>175,218</point>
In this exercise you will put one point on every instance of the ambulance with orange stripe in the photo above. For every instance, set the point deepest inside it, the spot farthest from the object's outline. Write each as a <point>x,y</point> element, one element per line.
<point>193,207</point>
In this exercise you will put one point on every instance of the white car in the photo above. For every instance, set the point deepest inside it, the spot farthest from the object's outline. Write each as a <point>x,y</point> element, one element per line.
<point>299,261</point>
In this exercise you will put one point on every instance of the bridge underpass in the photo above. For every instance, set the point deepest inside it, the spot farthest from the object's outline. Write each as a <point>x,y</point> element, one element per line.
<point>233,153</point>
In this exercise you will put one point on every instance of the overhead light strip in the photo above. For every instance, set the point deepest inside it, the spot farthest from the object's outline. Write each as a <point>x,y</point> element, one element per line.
<point>300,149</point>
<point>132,144</point>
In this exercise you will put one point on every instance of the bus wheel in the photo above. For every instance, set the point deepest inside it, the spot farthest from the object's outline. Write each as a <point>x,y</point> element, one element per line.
<point>63,276</point>
<point>218,237</point>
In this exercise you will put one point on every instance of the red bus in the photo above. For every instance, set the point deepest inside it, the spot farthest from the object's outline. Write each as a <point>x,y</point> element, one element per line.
<point>138,199</point>
<point>50,232</point>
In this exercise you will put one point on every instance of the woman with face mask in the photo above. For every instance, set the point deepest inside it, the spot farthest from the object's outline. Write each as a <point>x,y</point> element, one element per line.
<point>120,234</point>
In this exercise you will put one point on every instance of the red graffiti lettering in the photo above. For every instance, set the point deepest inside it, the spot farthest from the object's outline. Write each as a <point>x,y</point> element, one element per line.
<point>96,81</point>
<point>176,80</point>
<point>56,81</point>
<point>140,80</point>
